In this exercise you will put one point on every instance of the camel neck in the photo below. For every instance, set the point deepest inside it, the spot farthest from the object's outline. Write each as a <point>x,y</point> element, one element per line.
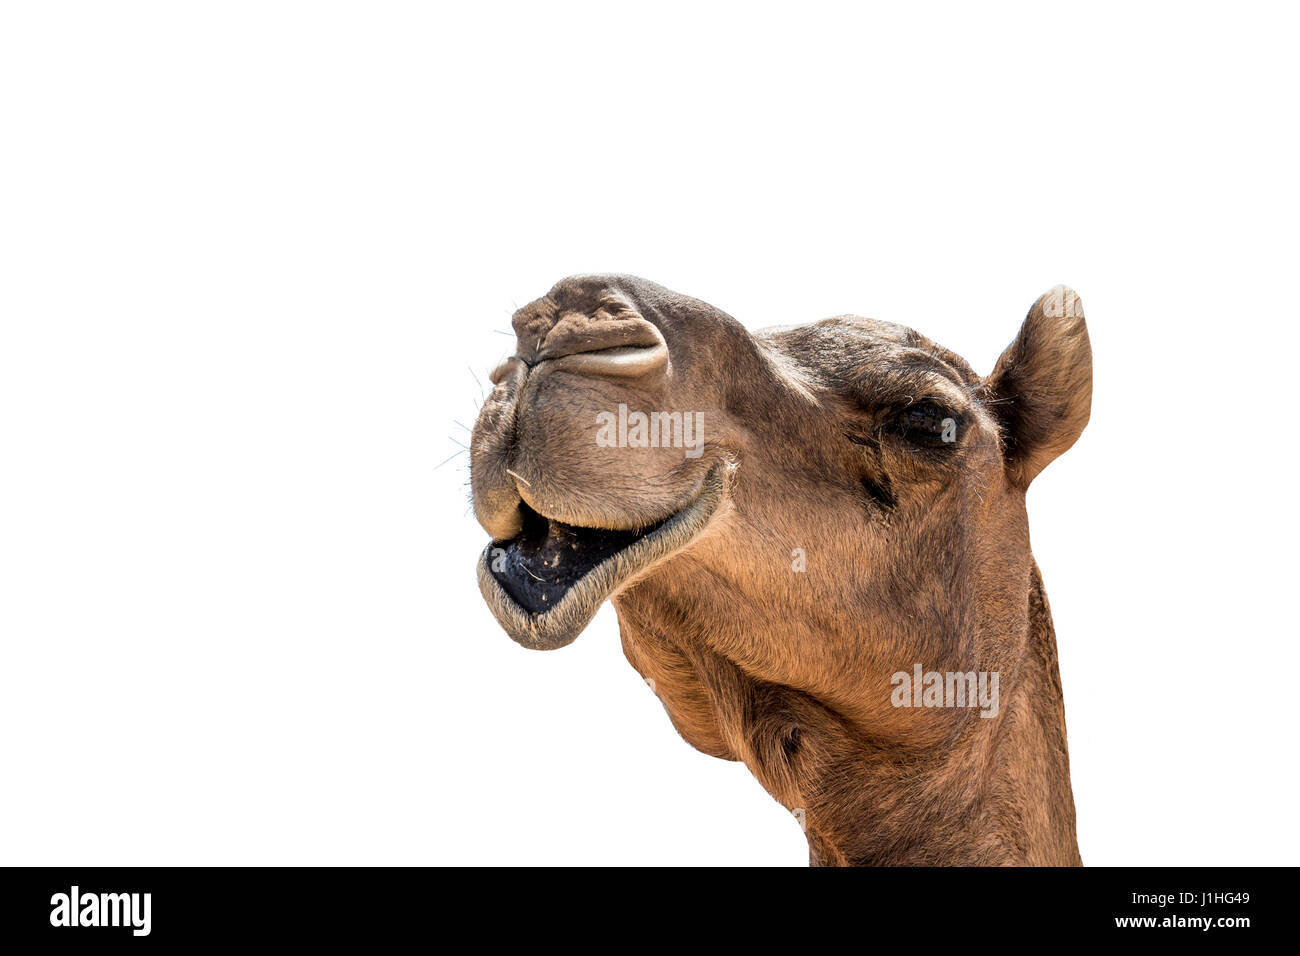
<point>993,791</point>
<point>998,794</point>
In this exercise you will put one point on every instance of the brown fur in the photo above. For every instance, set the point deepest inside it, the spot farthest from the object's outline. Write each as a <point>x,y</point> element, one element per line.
<point>916,552</point>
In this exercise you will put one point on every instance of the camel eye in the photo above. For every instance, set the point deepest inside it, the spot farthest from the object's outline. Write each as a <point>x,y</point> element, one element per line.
<point>928,423</point>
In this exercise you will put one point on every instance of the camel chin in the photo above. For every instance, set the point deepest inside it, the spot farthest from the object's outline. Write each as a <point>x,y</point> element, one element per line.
<point>546,583</point>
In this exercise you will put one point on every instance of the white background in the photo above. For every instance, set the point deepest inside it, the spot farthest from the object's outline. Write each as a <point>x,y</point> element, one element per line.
<point>252,256</point>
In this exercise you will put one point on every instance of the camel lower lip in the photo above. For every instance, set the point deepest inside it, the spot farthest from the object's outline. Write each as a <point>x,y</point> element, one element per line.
<point>545,584</point>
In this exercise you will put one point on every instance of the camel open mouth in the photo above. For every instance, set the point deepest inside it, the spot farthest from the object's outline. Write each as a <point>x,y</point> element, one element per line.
<point>546,583</point>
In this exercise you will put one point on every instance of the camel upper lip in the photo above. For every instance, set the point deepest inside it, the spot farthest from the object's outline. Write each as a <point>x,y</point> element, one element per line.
<point>546,583</point>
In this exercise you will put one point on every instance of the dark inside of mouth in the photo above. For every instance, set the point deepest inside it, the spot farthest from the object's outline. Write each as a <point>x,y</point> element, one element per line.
<point>539,565</point>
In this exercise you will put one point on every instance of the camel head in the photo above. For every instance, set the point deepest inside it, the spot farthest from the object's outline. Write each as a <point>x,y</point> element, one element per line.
<point>782,519</point>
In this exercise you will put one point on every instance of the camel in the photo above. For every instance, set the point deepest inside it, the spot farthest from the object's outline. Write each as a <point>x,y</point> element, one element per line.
<point>850,511</point>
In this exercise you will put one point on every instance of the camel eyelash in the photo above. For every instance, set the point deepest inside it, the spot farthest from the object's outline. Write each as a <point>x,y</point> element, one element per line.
<point>927,422</point>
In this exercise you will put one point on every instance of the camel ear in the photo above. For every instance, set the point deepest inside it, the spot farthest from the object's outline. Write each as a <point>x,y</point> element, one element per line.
<point>1041,388</point>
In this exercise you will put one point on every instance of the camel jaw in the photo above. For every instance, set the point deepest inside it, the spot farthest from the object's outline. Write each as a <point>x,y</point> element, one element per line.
<point>545,584</point>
